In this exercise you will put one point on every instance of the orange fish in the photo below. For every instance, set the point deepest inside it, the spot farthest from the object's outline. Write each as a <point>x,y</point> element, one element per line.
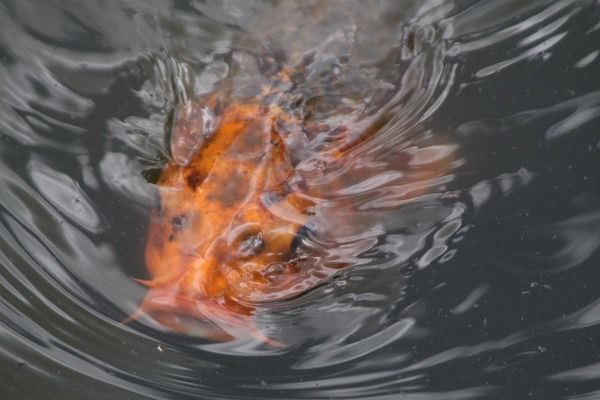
<point>223,240</point>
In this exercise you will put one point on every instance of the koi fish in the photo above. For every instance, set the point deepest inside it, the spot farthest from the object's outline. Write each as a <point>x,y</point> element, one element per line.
<point>231,211</point>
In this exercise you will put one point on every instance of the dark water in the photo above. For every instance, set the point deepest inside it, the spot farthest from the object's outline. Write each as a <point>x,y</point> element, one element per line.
<point>483,286</point>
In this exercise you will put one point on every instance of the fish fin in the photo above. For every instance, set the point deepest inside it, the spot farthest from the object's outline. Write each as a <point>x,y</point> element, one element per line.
<point>261,337</point>
<point>135,316</point>
<point>145,282</point>
<point>196,317</point>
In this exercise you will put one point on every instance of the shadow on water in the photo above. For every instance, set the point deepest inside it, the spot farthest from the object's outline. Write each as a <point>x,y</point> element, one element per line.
<point>478,281</point>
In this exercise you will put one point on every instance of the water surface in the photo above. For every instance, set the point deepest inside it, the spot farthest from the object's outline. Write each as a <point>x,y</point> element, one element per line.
<point>482,284</point>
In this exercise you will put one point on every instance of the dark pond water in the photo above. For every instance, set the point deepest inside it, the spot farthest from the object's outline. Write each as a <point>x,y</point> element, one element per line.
<point>485,284</point>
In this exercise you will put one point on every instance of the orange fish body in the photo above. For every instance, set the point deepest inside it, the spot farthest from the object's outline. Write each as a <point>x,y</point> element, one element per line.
<point>215,246</point>
<point>223,238</point>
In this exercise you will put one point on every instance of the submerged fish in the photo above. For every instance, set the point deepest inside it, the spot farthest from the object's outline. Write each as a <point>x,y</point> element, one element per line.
<point>233,205</point>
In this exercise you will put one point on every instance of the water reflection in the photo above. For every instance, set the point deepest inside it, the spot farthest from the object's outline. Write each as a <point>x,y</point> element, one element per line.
<point>478,282</point>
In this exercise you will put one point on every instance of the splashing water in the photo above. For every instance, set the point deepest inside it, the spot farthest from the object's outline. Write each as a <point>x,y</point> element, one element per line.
<point>472,280</point>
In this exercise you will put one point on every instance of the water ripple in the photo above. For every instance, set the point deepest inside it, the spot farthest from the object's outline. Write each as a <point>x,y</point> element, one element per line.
<point>469,218</point>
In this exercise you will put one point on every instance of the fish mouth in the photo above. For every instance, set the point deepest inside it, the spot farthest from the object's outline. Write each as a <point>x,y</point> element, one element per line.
<point>282,281</point>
